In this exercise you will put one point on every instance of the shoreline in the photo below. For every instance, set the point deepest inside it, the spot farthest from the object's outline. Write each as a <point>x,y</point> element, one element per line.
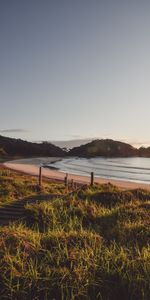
<point>33,170</point>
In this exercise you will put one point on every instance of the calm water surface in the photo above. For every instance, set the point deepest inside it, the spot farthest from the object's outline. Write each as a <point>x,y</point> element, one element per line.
<point>136,169</point>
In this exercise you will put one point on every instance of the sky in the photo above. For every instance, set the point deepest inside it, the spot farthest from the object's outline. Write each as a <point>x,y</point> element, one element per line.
<point>75,69</point>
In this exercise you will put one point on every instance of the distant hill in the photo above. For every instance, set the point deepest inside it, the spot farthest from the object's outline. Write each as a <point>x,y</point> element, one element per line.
<point>10,147</point>
<point>144,152</point>
<point>106,148</point>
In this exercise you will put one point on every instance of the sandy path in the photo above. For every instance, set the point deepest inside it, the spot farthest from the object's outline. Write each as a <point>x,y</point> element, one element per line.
<point>52,174</point>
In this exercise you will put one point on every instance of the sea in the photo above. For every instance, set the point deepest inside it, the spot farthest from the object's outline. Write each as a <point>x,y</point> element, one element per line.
<point>134,169</point>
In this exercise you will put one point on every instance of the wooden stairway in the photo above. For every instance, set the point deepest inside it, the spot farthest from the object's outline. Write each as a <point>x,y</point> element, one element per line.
<point>15,210</point>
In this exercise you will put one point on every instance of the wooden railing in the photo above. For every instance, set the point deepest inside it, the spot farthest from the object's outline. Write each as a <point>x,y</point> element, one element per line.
<point>68,183</point>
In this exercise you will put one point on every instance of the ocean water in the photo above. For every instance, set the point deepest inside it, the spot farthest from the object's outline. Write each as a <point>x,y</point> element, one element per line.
<point>135,169</point>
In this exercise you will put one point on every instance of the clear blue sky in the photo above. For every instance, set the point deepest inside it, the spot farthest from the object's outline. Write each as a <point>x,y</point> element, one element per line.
<point>75,68</point>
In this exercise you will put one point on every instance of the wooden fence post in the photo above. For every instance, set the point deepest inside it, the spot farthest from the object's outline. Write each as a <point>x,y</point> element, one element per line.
<point>72,183</point>
<point>40,176</point>
<point>92,178</point>
<point>66,180</point>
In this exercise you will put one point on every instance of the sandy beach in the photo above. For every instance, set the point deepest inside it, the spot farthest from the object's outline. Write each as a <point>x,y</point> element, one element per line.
<point>33,169</point>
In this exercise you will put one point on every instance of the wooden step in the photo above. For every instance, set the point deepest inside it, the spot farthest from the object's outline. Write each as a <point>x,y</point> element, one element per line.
<point>11,213</point>
<point>12,208</point>
<point>15,211</point>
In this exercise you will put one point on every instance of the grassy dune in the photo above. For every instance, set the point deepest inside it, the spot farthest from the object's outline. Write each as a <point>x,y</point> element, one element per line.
<point>15,185</point>
<point>94,244</point>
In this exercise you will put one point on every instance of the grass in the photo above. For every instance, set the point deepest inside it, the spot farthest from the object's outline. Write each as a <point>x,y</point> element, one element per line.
<point>93,244</point>
<point>14,186</point>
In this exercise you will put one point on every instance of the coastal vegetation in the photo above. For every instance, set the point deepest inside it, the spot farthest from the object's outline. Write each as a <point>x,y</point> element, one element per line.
<point>91,243</point>
<point>15,185</point>
<point>17,148</point>
<point>10,148</point>
<point>109,148</point>
<point>105,148</point>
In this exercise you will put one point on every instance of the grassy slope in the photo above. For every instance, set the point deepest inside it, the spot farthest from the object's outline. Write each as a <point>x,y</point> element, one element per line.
<point>14,186</point>
<point>92,245</point>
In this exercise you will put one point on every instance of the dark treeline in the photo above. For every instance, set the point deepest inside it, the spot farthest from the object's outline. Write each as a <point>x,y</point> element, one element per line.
<point>109,148</point>
<point>10,147</point>
<point>17,147</point>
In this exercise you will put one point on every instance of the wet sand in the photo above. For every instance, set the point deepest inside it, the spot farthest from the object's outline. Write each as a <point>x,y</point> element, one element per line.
<point>33,169</point>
